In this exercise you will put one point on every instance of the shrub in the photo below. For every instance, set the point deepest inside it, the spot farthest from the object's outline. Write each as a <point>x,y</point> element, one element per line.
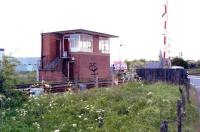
<point>179,62</point>
<point>8,81</point>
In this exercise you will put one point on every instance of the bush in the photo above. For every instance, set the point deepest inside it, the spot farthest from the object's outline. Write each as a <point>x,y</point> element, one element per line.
<point>8,81</point>
<point>179,62</point>
<point>198,63</point>
<point>14,98</point>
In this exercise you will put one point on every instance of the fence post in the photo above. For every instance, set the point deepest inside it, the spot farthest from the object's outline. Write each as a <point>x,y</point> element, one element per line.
<point>96,81</point>
<point>179,116</point>
<point>188,90</point>
<point>164,126</point>
<point>183,101</point>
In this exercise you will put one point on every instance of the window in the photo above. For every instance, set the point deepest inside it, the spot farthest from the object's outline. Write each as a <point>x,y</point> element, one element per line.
<point>80,42</point>
<point>74,42</point>
<point>104,45</point>
<point>86,43</point>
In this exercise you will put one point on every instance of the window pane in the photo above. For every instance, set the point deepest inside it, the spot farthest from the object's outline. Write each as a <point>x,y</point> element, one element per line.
<point>86,43</point>
<point>104,45</point>
<point>74,42</point>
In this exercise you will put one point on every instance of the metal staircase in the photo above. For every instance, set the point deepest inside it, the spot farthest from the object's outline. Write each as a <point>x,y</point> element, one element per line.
<point>54,64</point>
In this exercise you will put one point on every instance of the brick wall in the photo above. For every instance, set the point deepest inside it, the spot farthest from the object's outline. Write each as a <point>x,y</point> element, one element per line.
<point>49,47</point>
<point>83,60</point>
<point>95,44</point>
<point>48,75</point>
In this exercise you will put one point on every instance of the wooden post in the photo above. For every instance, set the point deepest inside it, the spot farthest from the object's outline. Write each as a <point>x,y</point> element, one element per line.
<point>113,79</point>
<point>96,81</point>
<point>188,90</point>
<point>164,126</point>
<point>183,101</point>
<point>179,116</point>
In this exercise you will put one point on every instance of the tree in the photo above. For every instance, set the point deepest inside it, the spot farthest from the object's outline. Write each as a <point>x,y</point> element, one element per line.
<point>128,63</point>
<point>198,63</point>
<point>8,73</point>
<point>192,64</point>
<point>8,81</point>
<point>134,64</point>
<point>179,62</point>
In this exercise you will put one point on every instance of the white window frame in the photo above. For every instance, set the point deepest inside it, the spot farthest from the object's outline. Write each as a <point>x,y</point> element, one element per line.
<point>103,41</point>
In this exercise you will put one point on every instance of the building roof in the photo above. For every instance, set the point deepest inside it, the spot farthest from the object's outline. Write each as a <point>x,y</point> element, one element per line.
<point>76,31</point>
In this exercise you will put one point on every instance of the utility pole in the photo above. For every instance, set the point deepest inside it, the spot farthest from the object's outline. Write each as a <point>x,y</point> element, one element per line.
<point>166,51</point>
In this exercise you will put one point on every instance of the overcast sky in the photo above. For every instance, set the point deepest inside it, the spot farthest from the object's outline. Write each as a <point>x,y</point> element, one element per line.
<point>138,23</point>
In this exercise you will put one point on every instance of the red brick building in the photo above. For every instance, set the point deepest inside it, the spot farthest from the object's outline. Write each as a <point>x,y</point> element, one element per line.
<point>75,55</point>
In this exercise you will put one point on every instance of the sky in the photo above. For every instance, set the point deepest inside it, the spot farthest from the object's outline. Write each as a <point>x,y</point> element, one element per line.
<point>138,23</point>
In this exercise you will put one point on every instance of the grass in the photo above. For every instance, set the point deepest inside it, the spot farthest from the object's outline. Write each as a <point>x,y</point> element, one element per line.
<point>26,77</point>
<point>195,100</point>
<point>194,71</point>
<point>131,107</point>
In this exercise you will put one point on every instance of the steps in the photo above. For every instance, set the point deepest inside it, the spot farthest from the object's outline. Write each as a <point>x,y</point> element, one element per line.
<point>54,64</point>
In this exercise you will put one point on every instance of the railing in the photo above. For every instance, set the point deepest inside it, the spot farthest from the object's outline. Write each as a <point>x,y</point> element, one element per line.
<point>53,65</point>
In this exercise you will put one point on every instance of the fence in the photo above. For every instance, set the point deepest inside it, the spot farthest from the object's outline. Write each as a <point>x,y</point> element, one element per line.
<point>175,76</point>
<point>180,107</point>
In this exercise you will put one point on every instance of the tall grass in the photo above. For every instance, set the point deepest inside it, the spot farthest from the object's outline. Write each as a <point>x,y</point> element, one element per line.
<point>131,107</point>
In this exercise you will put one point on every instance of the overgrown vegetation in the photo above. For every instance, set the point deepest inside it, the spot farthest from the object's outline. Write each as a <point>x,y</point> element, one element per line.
<point>26,77</point>
<point>195,71</point>
<point>179,62</point>
<point>9,97</point>
<point>134,64</point>
<point>132,107</point>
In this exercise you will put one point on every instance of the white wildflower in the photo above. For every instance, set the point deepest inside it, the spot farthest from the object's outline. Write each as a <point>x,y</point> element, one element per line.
<point>79,116</point>
<point>149,101</point>
<point>167,101</point>
<point>36,124</point>
<point>85,119</point>
<point>149,93</point>
<point>100,110</point>
<point>22,112</point>
<point>57,130</point>
<point>8,99</point>
<point>100,117</point>
<point>74,125</point>
<point>90,127</point>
